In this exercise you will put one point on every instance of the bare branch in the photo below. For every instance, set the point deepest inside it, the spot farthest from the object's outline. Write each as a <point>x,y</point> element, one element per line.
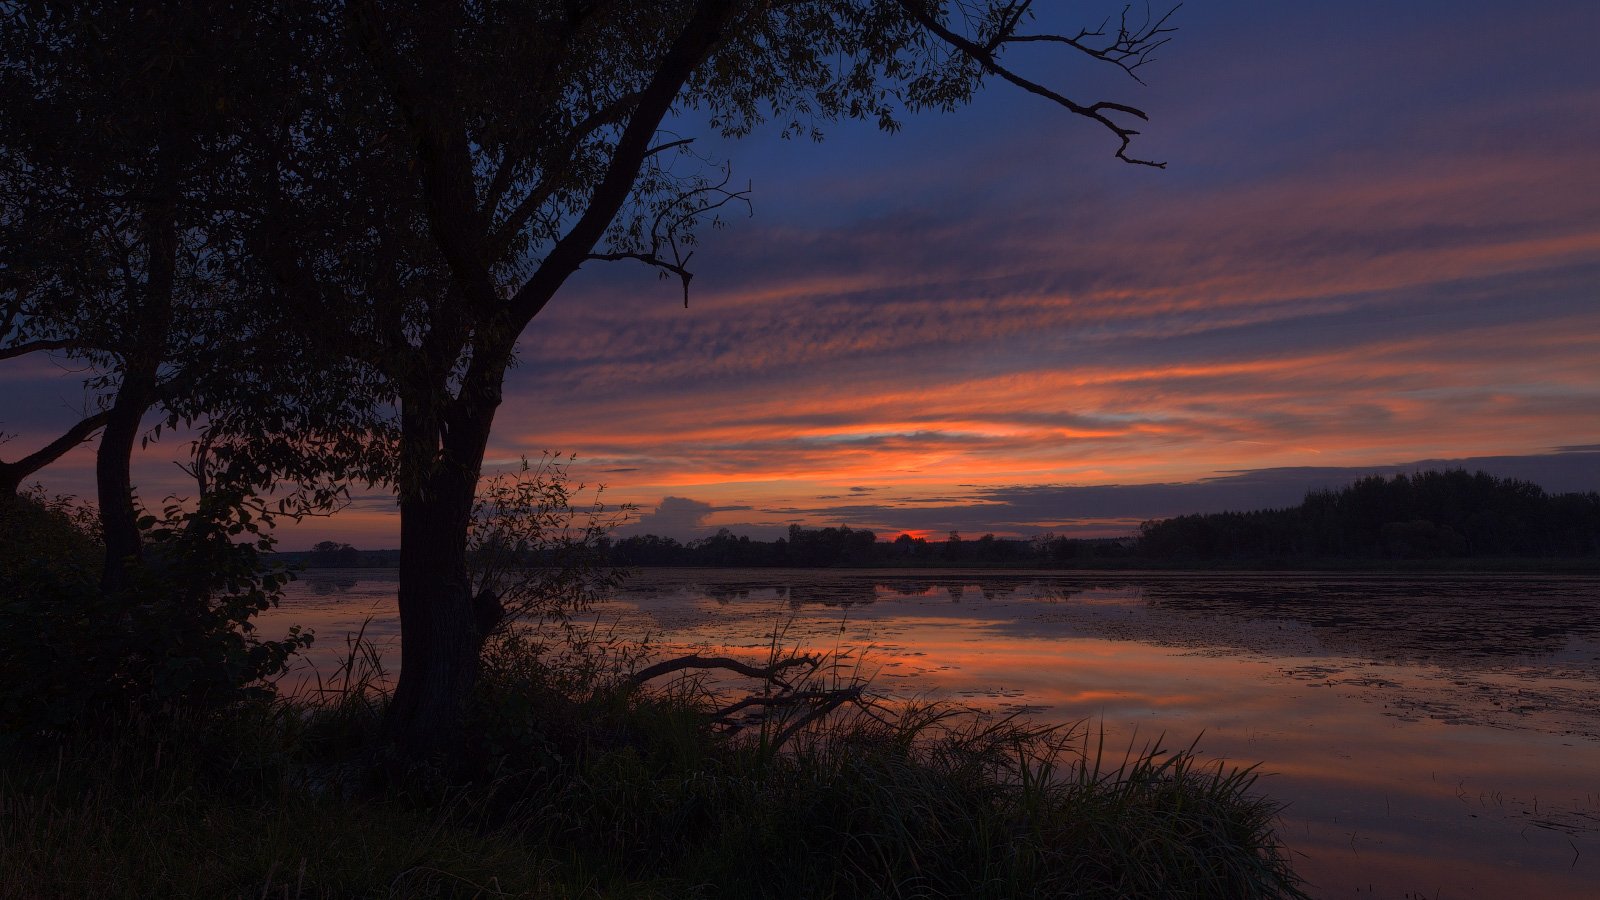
<point>778,701</point>
<point>826,706</point>
<point>1128,50</point>
<point>677,268</point>
<point>670,218</point>
<point>696,661</point>
<point>987,58</point>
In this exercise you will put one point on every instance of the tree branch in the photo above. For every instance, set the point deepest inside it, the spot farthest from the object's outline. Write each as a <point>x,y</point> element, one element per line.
<point>23,349</point>
<point>662,148</point>
<point>779,701</point>
<point>11,474</point>
<point>672,216</point>
<point>704,31</point>
<point>827,705</point>
<point>696,661</point>
<point>677,268</point>
<point>446,172</point>
<point>985,56</point>
<point>1127,51</point>
<point>818,702</point>
<point>503,234</point>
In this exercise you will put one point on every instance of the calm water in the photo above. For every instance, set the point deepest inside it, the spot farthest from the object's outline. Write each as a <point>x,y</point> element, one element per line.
<point>1435,736</point>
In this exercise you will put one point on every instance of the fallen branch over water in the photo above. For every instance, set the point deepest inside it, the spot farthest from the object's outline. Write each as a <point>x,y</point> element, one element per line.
<point>815,702</point>
<point>706,663</point>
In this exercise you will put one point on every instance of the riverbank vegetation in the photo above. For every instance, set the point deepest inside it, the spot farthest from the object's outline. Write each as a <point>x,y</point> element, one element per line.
<point>623,796</point>
<point>587,768</point>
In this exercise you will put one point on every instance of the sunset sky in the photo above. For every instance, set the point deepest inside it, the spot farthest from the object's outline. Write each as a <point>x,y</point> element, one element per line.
<point>1377,243</point>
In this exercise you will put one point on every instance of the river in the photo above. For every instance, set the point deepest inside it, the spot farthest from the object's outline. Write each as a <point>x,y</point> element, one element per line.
<point>1432,735</point>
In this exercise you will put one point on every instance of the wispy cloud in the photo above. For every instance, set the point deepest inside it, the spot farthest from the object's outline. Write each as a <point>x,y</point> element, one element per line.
<point>1117,509</point>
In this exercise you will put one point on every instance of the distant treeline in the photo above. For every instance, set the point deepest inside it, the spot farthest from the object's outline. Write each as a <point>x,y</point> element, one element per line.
<point>844,546</point>
<point>1427,515</point>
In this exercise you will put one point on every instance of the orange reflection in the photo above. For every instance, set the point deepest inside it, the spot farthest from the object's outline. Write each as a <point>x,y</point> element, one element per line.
<point>1398,772</point>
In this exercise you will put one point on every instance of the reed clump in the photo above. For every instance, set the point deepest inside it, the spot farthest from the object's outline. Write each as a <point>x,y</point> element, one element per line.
<point>583,783</point>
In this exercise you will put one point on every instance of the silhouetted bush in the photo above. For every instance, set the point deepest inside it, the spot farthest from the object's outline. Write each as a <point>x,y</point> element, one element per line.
<point>181,632</point>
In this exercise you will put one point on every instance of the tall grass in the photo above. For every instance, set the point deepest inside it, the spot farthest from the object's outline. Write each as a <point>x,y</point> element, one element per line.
<point>589,789</point>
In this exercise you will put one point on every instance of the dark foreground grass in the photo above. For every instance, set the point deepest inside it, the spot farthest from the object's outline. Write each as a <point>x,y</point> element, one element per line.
<point>621,795</point>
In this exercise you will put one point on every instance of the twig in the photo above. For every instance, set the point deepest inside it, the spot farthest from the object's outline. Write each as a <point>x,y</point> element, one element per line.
<point>987,56</point>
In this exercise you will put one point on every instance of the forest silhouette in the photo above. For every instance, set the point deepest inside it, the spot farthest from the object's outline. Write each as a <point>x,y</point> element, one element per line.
<point>1451,514</point>
<point>1431,515</point>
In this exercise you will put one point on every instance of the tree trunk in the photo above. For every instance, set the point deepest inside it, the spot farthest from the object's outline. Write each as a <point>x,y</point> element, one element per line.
<point>119,525</point>
<point>441,456</point>
<point>141,363</point>
<point>439,639</point>
<point>442,437</point>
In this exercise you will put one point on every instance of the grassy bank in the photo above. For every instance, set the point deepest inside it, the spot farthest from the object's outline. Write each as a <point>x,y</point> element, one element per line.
<point>620,794</point>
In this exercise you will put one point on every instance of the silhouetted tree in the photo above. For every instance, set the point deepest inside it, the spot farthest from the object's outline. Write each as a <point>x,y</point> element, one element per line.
<point>401,187</point>
<point>458,162</point>
<point>129,180</point>
<point>90,223</point>
<point>126,190</point>
<point>647,550</point>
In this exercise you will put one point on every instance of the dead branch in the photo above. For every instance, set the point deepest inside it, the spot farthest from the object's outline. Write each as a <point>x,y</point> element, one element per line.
<point>771,673</point>
<point>678,268</point>
<point>1129,49</point>
<point>1128,58</point>
<point>817,702</point>
<point>672,218</point>
<point>836,699</point>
